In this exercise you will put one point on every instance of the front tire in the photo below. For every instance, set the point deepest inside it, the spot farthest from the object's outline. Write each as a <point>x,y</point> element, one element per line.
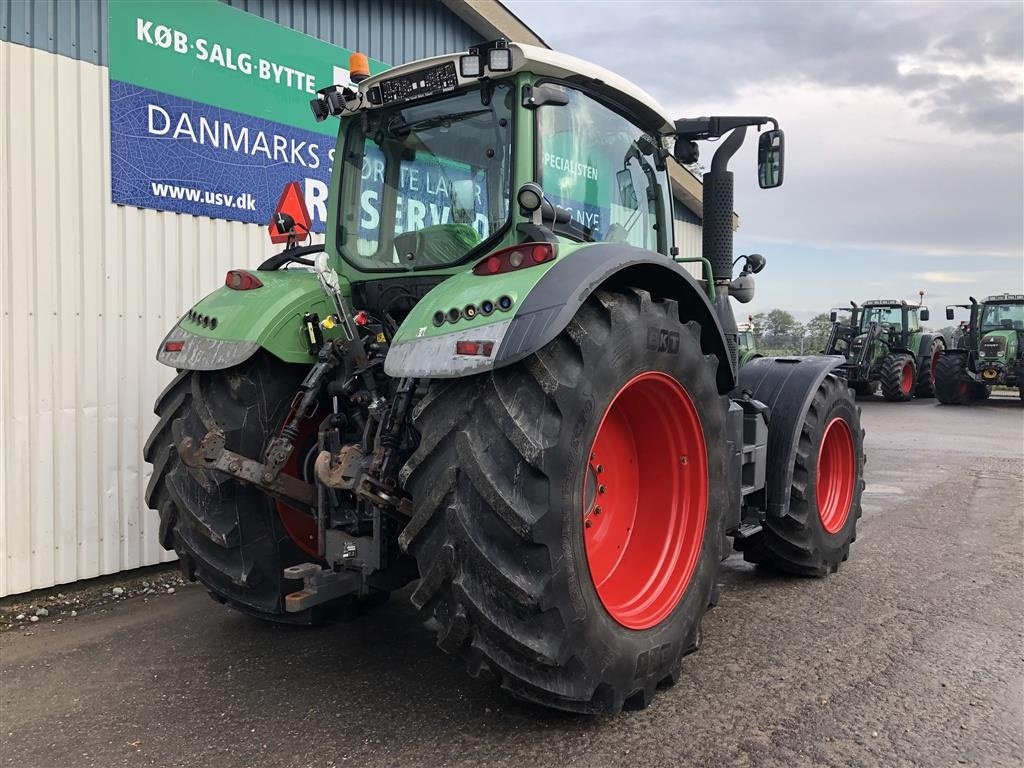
<point>898,377</point>
<point>814,535</point>
<point>952,384</point>
<point>507,475</point>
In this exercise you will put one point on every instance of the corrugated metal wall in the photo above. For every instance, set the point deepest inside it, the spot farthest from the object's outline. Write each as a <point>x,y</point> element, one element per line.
<point>88,288</point>
<point>689,237</point>
<point>395,31</point>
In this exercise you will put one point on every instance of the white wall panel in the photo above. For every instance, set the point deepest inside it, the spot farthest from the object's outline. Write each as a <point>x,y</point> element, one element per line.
<point>690,242</point>
<point>88,289</point>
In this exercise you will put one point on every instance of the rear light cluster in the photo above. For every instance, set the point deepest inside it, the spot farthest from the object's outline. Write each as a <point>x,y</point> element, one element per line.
<point>240,280</point>
<point>468,312</point>
<point>174,346</point>
<point>207,321</point>
<point>517,257</point>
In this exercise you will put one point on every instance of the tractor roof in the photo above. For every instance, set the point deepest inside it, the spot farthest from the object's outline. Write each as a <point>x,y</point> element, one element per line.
<point>542,62</point>
<point>884,303</point>
<point>1005,298</point>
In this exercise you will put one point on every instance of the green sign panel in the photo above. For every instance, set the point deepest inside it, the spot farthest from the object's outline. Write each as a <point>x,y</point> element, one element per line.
<point>209,52</point>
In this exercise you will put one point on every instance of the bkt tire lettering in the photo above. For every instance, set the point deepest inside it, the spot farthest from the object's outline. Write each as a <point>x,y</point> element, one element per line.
<point>663,340</point>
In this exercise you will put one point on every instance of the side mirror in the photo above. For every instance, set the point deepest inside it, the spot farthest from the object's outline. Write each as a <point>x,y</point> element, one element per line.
<point>832,316</point>
<point>925,314</point>
<point>949,313</point>
<point>771,157</point>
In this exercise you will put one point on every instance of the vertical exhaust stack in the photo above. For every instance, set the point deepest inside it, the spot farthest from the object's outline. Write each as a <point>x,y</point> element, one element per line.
<point>717,234</point>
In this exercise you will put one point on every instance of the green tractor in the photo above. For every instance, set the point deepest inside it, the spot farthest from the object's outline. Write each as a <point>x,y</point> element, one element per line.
<point>747,343</point>
<point>885,346</point>
<point>989,351</point>
<point>496,378</point>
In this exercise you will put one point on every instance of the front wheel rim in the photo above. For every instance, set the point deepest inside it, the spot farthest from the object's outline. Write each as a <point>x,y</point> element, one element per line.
<point>645,499</point>
<point>836,475</point>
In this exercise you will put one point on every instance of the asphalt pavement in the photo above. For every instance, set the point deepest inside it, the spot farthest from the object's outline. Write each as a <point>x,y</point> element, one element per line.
<point>913,654</point>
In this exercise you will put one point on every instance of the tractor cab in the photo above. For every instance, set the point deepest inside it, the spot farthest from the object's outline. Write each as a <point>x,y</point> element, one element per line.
<point>1001,335</point>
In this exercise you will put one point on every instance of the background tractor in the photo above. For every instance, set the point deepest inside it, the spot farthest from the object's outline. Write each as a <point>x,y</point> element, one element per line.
<point>496,378</point>
<point>746,342</point>
<point>989,351</point>
<point>885,345</point>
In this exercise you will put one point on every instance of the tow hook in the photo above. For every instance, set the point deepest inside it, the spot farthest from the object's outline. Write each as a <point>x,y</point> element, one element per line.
<point>319,585</point>
<point>211,454</point>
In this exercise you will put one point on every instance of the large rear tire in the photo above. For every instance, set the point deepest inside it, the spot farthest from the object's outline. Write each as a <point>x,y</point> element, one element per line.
<point>926,367</point>
<point>228,535</point>
<point>620,411</point>
<point>952,385</point>
<point>898,376</point>
<point>815,534</point>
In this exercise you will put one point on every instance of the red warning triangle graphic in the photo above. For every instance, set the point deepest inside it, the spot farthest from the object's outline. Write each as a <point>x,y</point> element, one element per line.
<point>294,204</point>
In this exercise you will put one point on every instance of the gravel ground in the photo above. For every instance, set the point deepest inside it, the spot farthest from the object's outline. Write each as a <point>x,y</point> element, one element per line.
<point>913,654</point>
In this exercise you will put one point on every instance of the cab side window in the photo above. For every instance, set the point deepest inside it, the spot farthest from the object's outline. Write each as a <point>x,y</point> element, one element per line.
<point>605,171</point>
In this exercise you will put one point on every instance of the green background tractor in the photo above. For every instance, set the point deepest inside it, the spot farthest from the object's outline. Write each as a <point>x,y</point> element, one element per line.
<point>989,352</point>
<point>747,344</point>
<point>885,345</point>
<point>496,378</point>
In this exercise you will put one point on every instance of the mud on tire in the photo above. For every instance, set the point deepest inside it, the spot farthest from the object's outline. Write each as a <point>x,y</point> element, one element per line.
<point>799,542</point>
<point>497,483</point>
<point>227,534</point>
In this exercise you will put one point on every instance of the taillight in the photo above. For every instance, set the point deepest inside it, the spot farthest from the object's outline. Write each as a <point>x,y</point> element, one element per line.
<point>517,257</point>
<point>239,280</point>
<point>482,348</point>
<point>174,346</point>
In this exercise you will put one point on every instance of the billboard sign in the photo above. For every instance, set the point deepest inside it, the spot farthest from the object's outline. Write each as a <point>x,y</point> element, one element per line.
<point>209,110</point>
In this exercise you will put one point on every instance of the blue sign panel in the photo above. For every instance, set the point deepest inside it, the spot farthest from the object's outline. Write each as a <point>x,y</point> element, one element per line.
<point>175,154</point>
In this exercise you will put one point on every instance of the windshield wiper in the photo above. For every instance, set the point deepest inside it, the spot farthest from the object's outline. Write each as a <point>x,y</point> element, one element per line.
<point>454,117</point>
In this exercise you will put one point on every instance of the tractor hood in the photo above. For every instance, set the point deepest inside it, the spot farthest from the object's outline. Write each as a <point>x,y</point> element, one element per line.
<point>999,345</point>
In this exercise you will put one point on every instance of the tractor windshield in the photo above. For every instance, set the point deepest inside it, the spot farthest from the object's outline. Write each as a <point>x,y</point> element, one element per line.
<point>1005,317</point>
<point>882,315</point>
<point>425,185</point>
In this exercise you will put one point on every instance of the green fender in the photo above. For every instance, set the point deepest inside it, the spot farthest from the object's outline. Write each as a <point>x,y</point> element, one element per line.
<point>542,300</point>
<point>228,326</point>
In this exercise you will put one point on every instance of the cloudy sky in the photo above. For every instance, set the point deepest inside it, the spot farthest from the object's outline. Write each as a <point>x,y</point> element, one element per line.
<point>904,132</point>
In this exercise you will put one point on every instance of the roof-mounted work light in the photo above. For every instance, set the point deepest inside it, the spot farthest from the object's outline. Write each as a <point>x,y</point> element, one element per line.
<point>499,59</point>
<point>471,65</point>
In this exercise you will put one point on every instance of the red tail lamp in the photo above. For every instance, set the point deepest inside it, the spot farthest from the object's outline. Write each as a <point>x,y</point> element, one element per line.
<point>174,346</point>
<point>240,280</point>
<point>516,257</point>
<point>480,348</point>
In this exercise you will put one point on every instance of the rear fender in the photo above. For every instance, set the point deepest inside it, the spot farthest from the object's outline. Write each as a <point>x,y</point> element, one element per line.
<point>227,327</point>
<point>787,386</point>
<point>542,309</point>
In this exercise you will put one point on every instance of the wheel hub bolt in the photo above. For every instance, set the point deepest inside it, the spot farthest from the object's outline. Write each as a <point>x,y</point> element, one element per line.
<point>587,523</point>
<point>682,460</point>
<point>601,489</point>
<point>599,468</point>
<point>597,510</point>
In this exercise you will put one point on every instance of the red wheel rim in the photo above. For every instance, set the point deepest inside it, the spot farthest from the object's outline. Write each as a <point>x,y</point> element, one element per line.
<point>907,379</point>
<point>837,473</point>
<point>645,499</point>
<point>935,363</point>
<point>301,526</point>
